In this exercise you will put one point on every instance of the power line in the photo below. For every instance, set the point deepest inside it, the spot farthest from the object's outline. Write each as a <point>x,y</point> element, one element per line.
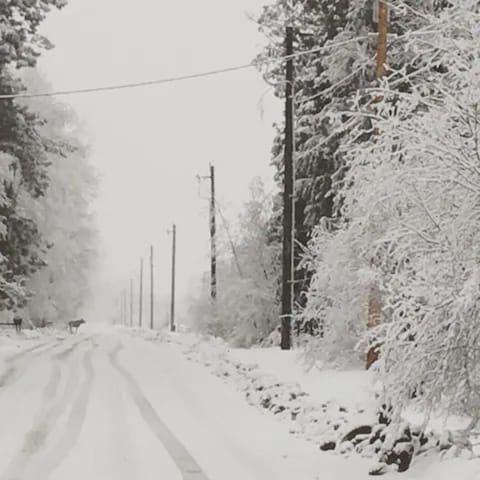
<point>179,78</point>
<point>126,86</point>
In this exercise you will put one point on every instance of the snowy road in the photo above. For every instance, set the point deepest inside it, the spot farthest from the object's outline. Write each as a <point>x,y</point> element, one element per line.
<point>110,406</point>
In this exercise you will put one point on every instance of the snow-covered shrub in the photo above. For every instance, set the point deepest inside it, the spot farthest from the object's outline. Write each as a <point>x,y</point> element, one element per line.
<point>348,428</point>
<point>337,297</point>
<point>63,215</point>
<point>246,309</point>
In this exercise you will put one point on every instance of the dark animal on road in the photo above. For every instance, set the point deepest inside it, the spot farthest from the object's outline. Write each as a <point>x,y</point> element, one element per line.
<point>74,324</point>
<point>17,321</point>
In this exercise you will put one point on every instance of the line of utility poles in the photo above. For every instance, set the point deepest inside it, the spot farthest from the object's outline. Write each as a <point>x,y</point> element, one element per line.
<point>128,317</point>
<point>374,303</point>
<point>374,310</point>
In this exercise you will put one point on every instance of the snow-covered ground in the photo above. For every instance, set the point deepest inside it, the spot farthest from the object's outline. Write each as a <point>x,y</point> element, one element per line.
<point>103,405</point>
<point>351,387</point>
<point>13,346</point>
<point>111,404</point>
<point>332,397</point>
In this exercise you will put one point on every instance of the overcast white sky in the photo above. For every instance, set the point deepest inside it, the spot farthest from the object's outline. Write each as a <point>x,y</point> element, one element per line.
<point>149,144</point>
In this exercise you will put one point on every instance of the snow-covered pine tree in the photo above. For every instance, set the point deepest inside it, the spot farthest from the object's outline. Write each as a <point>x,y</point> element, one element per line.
<point>328,83</point>
<point>317,92</point>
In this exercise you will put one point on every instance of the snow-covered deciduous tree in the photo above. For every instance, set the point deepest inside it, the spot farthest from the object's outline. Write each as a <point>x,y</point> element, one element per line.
<point>63,215</point>
<point>253,295</point>
<point>411,221</point>
<point>21,44</point>
<point>247,307</point>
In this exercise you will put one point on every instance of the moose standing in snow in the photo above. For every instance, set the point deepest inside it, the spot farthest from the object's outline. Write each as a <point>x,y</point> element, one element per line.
<point>74,324</point>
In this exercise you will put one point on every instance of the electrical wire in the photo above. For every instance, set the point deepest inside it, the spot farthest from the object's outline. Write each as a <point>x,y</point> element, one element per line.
<point>179,78</point>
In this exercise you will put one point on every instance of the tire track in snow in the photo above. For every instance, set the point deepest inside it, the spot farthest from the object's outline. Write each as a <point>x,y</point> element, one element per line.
<point>24,468</point>
<point>75,421</point>
<point>16,361</point>
<point>189,468</point>
<point>26,351</point>
<point>46,415</point>
<point>121,446</point>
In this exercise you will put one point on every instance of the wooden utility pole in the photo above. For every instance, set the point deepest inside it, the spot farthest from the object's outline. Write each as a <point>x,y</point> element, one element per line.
<point>212,222</point>
<point>120,305</point>
<point>374,302</point>
<point>382,38</point>
<point>151,289</point>
<point>288,180</point>
<point>120,298</point>
<point>131,302</point>
<point>213,247</point>
<point>124,301</point>
<point>172,297</point>
<point>140,302</point>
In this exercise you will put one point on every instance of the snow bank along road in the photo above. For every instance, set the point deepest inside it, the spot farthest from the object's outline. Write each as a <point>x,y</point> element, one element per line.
<point>110,406</point>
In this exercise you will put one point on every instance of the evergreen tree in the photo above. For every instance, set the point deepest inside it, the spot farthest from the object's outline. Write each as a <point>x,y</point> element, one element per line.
<point>329,85</point>
<point>315,24</point>
<point>23,150</point>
